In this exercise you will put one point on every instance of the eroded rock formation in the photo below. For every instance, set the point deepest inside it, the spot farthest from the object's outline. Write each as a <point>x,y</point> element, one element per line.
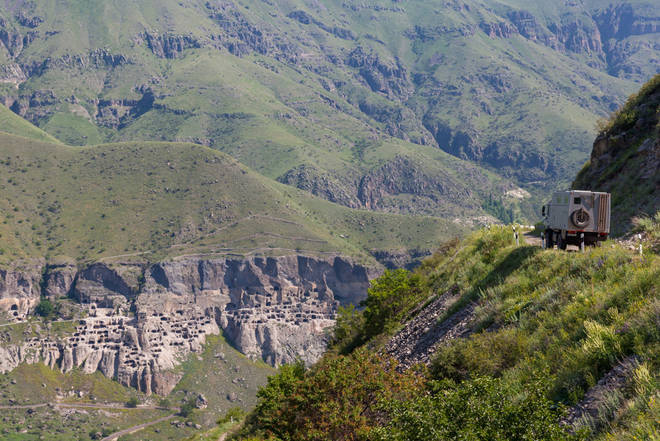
<point>277,309</point>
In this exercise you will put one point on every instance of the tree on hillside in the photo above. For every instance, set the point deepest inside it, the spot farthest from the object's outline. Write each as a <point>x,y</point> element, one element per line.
<point>340,398</point>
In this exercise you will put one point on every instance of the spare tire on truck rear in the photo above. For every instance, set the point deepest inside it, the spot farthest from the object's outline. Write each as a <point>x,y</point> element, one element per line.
<point>580,218</point>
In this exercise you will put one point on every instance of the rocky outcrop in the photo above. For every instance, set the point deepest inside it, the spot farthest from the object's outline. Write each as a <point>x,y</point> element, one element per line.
<point>305,18</point>
<point>431,33</point>
<point>241,37</point>
<point>597,402</point>
<point>168,45</point>
<point>621,21</point>
<point>13,41</point>
<point>28,21</point>
<point>498,29</point>
<point>460,143</point>
<point>102,284</point>
<point>424,332</point>
<point>277,309</point>
<point>313,180</point>
<point>528,26</point>
<point>398,120</point>
<point>578,36</point>
<point>58,280</point>
<point>403,175</point>
<point>12,73</point>
<point>390,78</point>
<point>20,288</point>
<point>603,34</point>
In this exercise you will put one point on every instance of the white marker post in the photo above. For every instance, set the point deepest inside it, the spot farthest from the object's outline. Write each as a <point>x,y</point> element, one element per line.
<point>515,235</point>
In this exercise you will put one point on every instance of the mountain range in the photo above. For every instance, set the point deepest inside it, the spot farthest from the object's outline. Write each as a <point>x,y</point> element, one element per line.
<point>400,106</point>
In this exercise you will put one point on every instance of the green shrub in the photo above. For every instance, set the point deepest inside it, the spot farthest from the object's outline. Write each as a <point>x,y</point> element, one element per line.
<point>187,408</point>
<point>488,353</point>
<point>481,409</point>
<point>388,300</point>
<point>132,402</point>
<point>231,416</point>
<point>348,328</point>
<point>336,399</point>
<point>45,308</point>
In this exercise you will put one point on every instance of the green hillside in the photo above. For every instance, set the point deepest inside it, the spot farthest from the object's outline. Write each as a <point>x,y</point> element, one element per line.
<point>14,124</point>
<point>625,160</point>
<point>492,340</point>
<point>332,97</point>
<point>540,329</point>
<point>163,199</point>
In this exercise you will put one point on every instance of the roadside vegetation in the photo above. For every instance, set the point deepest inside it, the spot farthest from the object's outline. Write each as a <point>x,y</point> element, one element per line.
<point>547,326</point>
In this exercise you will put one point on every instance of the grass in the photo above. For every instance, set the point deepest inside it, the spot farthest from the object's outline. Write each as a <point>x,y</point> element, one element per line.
<point>17,425</point>
<point>216,378</point>
<point>30,379</point>
<point>628,114</point>
<point>172,199</point>
<point>14,124</point>
<point>546,323</point>
<point>622,168</point>
<point>570,315</point>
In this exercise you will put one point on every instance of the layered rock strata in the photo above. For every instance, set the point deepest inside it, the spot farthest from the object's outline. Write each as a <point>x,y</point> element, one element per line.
<point>276,309</point>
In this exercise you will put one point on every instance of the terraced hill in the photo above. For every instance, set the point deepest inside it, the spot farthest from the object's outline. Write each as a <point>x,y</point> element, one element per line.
<point>338,97</point>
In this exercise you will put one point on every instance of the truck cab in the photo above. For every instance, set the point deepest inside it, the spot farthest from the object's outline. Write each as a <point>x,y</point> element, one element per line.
<point>576,217</point>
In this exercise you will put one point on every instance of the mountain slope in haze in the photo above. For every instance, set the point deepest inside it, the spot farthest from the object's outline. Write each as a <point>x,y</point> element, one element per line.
<point>332,97</point>
<point>625,159</point>
<point>171,199</point>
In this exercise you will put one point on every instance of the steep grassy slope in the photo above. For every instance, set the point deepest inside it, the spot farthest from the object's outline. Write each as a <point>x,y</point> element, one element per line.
<point>626,158</point>
<point>324,96</point>
<point>14,124</point>
<point>541,327</point>
<point>172,199</point>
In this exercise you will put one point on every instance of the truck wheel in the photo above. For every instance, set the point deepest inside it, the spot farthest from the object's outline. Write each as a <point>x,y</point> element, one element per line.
<point>580,218</point>
<point>548,240</point>
<point>561,243</point>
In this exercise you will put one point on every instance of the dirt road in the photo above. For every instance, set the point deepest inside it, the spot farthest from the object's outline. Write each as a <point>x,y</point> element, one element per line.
<point>134,429</point>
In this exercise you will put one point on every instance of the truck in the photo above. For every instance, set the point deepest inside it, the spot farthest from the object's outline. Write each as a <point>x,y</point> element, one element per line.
<point>576,217</point>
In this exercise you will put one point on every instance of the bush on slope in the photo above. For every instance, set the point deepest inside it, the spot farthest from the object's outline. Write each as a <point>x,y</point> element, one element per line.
<point>548,325</point>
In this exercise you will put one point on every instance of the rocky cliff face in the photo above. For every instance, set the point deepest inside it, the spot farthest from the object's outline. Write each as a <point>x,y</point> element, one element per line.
<point>278,309</point>
<point>19,289</point>
<point>602,34</point>
<point>625,159</point>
